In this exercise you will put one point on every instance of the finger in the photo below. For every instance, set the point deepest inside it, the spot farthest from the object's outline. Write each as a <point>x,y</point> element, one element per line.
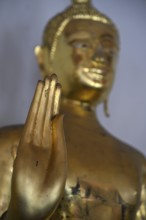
<point>59,157</point>
<point>49,110</point>
<point>30,121</point>
<point>38,130</point>
<point>57,100</point>
<point>50,101</point>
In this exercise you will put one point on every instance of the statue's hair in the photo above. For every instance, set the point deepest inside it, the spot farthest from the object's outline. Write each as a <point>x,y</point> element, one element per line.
<point>80,9</point>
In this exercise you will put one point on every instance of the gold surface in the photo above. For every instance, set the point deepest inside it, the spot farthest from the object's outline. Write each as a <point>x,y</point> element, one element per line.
<point>105,179</point>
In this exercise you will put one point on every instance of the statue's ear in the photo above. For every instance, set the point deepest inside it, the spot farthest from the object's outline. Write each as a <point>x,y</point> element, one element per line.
<point>38,51</point>
<point>43,59</point>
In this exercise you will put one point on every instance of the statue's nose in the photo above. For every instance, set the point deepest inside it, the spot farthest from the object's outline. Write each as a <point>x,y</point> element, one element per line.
<point>98,55</point>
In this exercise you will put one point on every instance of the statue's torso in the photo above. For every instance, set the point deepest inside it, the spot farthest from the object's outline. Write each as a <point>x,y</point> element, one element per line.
<point>103,174</point>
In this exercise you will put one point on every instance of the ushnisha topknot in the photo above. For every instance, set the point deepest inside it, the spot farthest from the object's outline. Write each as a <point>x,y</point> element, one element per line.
<point>81,1</point>
<point>80,9</point>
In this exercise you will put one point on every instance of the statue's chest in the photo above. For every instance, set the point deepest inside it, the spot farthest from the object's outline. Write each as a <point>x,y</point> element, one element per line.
<point>84,198</point>
<point>102,181</point>
<point>86,202</point>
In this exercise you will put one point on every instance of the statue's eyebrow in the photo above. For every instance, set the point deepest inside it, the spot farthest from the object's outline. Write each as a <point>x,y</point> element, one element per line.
<point>107,37</point>
<point>86,41</point>
<point>78,36</point>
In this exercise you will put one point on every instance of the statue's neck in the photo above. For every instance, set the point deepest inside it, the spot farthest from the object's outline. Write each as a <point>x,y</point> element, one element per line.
<point>81,109</point>
<point>84,114</point>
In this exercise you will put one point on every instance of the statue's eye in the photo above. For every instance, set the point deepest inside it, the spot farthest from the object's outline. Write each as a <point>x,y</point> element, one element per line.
<point>108,48</point>
<point>81,45</point>
<point>109,51</point>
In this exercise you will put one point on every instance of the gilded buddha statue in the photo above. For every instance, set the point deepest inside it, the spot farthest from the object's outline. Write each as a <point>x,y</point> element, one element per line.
<point>98,177</point>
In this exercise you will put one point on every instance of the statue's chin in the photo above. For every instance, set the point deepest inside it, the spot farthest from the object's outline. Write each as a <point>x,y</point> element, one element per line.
<point>86,93</point>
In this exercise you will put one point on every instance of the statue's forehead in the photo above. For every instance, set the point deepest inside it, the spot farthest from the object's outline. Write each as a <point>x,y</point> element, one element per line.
<point>85,23</point>
<point>88,28</point>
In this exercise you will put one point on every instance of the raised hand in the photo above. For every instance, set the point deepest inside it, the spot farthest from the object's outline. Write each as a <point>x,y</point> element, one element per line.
<point>39,171</point>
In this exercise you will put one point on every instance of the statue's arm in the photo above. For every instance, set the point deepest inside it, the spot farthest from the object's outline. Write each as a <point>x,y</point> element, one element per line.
<point>39,172</point>
<point>141,213</point>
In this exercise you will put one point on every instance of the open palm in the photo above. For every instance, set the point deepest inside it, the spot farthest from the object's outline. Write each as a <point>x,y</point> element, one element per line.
<point>39,171</point>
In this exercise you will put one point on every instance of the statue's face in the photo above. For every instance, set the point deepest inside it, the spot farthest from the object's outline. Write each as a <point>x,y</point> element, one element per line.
<point>87,52</point>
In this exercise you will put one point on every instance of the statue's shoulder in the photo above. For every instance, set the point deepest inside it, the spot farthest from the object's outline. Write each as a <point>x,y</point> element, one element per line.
<point>11,129</point>
<point>10,135</point>
<point>128,151</point>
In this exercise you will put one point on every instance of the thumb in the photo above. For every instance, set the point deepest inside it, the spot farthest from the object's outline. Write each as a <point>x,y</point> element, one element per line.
<point>59,144</point>
<point>58,131</point>
<point>59,154</point>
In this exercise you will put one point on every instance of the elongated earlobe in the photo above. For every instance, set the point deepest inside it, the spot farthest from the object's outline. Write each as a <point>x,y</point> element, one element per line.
<point>43,60</point>
<point>105,108</point>
<point>38,51</point>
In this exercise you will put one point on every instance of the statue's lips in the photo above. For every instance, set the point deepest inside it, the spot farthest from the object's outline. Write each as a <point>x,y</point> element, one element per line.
<point>92,77</point>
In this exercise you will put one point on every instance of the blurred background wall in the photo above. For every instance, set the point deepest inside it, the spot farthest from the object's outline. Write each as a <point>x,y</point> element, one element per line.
<point>21,26</point>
